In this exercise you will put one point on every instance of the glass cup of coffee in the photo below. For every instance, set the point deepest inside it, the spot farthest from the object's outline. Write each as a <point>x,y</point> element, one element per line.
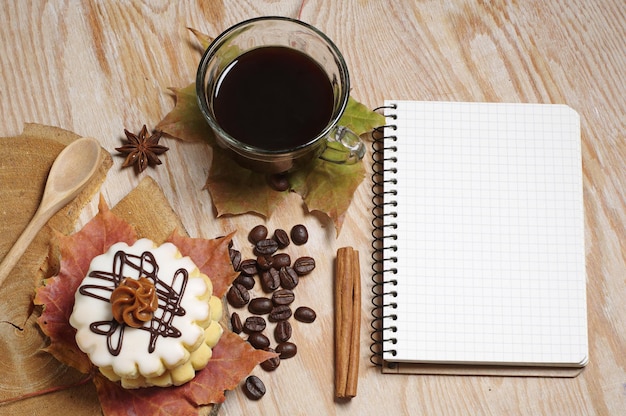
<point>273,89</point>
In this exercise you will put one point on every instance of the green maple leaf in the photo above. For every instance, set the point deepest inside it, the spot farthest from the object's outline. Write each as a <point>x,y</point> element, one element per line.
<point>359,118</point>
<point>236,190</point>
<point>325,187</point>
<point>328,188</point>
<point>204,39</point>
<point>185,121</point>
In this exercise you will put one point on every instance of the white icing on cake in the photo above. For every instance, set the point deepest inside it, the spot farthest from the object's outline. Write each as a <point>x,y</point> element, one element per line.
<point>176,356</point>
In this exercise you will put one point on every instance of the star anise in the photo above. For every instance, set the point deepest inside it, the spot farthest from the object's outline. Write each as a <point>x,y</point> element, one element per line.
<point>142,150</point>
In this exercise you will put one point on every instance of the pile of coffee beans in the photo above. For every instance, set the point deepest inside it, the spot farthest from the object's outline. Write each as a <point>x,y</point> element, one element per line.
<point>277,276</point>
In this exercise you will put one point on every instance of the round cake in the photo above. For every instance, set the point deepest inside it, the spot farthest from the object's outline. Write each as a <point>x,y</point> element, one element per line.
<point>146,316</point>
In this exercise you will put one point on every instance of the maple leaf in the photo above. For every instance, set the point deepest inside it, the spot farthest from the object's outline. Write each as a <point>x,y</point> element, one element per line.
<point>236,190</point>
<point>317,187</point>
<point>360,119</point>
<point>233,359</point>
<point>204,39</point>
<point>185,122</point>
<point>212,258</point>
<point>57,294</point>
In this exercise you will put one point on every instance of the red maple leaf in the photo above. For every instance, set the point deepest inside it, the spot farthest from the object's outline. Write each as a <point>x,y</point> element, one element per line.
<point>57,295</point>
<point>211,257</point>
<point>232,359</point>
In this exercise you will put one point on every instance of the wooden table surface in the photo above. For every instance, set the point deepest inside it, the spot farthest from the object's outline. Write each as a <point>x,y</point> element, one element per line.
<point>98,67</point>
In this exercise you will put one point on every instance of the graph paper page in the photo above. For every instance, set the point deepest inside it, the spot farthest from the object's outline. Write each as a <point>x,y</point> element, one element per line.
<point>490,234</point>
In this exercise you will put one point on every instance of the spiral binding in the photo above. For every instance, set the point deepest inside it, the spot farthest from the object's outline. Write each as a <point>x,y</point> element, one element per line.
<point>384,181</point>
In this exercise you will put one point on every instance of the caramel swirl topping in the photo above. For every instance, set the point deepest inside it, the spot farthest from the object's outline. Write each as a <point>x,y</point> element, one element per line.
<point>133,302</point>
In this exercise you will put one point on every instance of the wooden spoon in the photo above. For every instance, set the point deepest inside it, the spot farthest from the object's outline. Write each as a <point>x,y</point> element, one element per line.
<point>69,174</point>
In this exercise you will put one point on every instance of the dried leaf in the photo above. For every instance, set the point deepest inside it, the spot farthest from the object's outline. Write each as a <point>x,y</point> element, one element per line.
<point>204,39</point>
<point>185,122</point>
<point>227,53</point>
<point>233,359</point>
<point>57,295</point>
<point>235,190</point>
<point>359,118</point>
<point>211,257</point>
<point>318,187</point>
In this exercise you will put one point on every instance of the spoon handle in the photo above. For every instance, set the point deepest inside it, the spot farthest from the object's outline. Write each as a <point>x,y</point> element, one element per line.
<point>22,243</point>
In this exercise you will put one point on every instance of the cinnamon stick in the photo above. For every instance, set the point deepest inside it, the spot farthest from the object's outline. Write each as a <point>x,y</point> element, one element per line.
<point>353,368</point>
<point>347,322</point>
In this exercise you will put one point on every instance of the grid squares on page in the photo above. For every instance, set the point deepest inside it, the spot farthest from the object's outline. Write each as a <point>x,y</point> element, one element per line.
<point>490,233</point>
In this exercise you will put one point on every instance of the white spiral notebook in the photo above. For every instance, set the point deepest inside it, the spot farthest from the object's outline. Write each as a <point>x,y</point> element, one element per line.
<point>480,239</point>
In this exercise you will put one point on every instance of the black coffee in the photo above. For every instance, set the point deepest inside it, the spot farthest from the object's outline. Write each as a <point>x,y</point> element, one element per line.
<point>274,98</point>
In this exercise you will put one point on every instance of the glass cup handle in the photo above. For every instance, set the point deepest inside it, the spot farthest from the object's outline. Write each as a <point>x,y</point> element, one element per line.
<point>343,146</point>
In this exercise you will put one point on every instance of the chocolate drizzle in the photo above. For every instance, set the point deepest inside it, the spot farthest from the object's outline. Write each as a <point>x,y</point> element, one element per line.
<point>169,298</point>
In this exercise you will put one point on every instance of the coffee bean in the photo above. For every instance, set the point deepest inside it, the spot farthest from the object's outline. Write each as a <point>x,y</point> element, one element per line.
<point>270,280</point>
<point>281,237</point>
<point>245,281</point>
<point>235,258</point>
<point>286,350</point>
<point>257,233</point>
<point>278,182</point>
<point>235,323</point>
<point>281,260</point>
<point>283,297</point>
<point>280,313</point>
<point>254,388</point>
<point>305,314</point>
<point>248,267</point>
<point>282,331</point>
<point>260,306</point>
<point>254,324</point>
<point>288,277</point>
<point>258,340</point>
<point>304,265</point>
<point>264,262</point>
<point>238,295</point>
<point>270,364</point>
<point>266,247</point>
<point>299,234</point>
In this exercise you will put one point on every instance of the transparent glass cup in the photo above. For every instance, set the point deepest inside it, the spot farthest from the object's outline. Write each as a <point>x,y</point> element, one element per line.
<point>333,143</point>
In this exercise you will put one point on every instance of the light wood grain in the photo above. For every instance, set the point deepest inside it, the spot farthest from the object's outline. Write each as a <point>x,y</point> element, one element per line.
<point>96,68</point>
<point>25,367</point>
